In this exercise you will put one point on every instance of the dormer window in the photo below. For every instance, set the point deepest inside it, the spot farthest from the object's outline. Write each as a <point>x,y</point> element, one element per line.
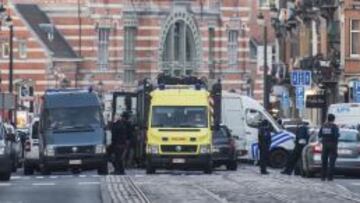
<point>48,29</point>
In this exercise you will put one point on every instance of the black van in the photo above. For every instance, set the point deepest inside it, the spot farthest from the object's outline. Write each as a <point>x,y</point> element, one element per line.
<point>72,132</point>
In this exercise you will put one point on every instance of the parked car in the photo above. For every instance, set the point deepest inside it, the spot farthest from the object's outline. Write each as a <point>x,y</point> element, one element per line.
<point>5,159</point>
<point>292,125</point>
<point>14,143</point>
<point>348,159</point>
<point>31,156</point>
<point>224,149</point>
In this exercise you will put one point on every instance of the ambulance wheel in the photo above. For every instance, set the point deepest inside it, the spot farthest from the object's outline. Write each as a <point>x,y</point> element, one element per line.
<point>28,169</point>
<point>209,168</point>
<point>149,168</point>
<point>278,158</point>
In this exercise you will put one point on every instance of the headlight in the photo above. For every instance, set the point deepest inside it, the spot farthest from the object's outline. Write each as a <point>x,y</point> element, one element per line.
<point>205,149</point>
<point>152,149</point>
<point>100,149</point>
<point>50,151</point>
<point>2,150</point>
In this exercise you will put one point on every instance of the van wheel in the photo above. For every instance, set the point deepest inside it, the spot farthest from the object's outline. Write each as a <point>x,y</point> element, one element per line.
<point>5,176</point>
<point>232,165</point>
<point>278,158</point>
<point>103,170</point>
<point>28,170</point>
<point>45,171</point>
<point>149,168</point>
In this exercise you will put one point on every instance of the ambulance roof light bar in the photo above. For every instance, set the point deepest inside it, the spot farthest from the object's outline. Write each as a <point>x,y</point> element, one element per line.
<point>169,82</point>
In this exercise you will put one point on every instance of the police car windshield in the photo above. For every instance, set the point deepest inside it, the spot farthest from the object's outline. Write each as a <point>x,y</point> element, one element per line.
<point>179,117</point>
<point>348,136</point>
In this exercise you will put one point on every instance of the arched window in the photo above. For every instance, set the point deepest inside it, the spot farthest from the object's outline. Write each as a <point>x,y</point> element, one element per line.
<point>179,53</point>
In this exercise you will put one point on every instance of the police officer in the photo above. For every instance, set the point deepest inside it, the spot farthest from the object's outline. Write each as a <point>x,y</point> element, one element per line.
<point>264,139</point>
<point>121,132</point>
<point>301,140</point>
<point>329,135</point>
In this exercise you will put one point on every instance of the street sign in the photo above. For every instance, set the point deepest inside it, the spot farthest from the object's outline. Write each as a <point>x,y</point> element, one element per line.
<point>357,91</point>
<point>316,101</point>
<point>300,93</point>
<point>301,78</point>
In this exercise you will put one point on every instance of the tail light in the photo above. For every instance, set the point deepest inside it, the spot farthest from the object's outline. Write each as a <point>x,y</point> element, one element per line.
<point>316,147</point>
<point>28,146</point>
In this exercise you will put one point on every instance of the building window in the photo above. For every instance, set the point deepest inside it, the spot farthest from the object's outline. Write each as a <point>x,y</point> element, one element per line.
<point>129,45</point>
<point>5,50</point>
<point>129,76</point>
<point>263,3</point>
<point>103,48</point>
<point>22,49</point>
<point>253,49</point>
<point>179,56</point>
<point>211,45</point>
<point>232,47</point>
<point>355,38</point>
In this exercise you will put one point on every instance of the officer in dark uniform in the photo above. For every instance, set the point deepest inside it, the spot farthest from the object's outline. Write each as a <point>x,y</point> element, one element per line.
<point>301,140</point>
<point>120,140</point>
<point>329,135</point>
<point>264,139</point>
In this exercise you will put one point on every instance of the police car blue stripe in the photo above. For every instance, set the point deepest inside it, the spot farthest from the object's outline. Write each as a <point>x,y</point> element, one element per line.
<point>284,139</point>
<point>276,140</point>
<point>278,137</point>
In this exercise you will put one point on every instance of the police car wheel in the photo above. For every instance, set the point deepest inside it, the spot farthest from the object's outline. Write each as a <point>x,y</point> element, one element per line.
<point>278,158</point>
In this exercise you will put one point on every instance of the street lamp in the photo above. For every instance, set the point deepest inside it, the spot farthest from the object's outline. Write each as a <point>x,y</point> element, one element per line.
<point>261,22</point>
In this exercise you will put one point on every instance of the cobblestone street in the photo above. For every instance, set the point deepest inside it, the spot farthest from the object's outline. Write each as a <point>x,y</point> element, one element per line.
<point>245,185</point>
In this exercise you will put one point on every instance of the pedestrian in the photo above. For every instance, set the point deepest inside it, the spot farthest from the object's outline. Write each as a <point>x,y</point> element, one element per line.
<point>120,141</point>
<point>301,140</point>
<point>264,139</point>
<point>329,135</point>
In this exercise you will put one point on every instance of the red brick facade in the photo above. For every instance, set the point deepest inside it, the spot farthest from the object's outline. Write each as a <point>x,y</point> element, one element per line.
<point>150,20</point>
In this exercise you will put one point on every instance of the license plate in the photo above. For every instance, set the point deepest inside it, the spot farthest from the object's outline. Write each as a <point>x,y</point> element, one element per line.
<point>75,162</point>
<point>344,152</point>
<point>178,161</point>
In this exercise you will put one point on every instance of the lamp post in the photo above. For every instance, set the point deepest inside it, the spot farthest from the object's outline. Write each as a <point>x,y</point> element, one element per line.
<point>261,22</point>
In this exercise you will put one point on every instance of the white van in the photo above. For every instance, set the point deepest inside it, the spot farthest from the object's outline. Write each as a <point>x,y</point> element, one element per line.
<point>346,114</point>
<point>237,112</point>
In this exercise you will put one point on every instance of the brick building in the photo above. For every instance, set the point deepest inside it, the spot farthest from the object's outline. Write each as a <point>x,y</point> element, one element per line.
<point>115,43</point>
<point>350,41</point>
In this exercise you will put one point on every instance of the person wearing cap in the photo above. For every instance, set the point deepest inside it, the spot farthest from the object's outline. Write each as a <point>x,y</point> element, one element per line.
<point>329,136</point>
<point>120,139</point>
